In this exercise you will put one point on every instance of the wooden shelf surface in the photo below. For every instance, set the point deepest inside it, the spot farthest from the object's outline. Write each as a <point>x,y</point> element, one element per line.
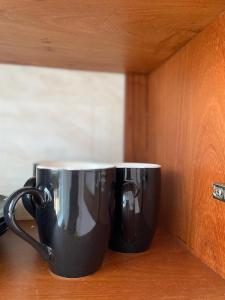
<point>118,35</point>
<point>167,271</point>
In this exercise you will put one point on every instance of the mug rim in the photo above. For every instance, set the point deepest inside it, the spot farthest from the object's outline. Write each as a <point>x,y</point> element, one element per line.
<point>134,165</point>
<point>73,165</point>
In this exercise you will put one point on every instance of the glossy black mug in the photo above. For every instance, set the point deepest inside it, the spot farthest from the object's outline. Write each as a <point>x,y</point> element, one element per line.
<point>27,199</point>
<point>72,211</point>
<point>136,208</point>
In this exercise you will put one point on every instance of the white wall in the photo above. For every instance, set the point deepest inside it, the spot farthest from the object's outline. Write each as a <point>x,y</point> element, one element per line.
<point>57,114</point>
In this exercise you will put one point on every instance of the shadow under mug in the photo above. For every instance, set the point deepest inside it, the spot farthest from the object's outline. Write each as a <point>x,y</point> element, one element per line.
<point>73,203</point>
<point>136,206</point>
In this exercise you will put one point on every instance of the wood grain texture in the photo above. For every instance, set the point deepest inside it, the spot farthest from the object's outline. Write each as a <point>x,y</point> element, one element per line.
<point>119,35</point>
<point>136,116</point>
<point>166,271</point>
<point>186,134</point>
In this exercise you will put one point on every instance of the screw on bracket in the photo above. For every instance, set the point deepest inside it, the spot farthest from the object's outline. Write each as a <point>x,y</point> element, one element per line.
<point>219,191</point>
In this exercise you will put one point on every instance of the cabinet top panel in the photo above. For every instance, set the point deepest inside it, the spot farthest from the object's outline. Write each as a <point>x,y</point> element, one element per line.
<point>104,35</point>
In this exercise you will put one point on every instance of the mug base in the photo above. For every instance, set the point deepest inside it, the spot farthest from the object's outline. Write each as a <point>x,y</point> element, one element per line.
<point>129,249</point>
<point>63,275</point>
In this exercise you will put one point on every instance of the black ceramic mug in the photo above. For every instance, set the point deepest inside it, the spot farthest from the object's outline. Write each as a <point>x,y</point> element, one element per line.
<point>27,199</point>
<point>136,207</point>
<point>72,210</point>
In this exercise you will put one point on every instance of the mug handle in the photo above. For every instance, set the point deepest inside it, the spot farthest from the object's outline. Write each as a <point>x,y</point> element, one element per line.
<point>9,215</point>
<point>27,199</point>
<point>130,190</point>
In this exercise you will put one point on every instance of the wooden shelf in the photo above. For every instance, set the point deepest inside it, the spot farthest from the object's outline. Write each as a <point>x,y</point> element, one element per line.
<point>121,36</point>
<point>166,271</point>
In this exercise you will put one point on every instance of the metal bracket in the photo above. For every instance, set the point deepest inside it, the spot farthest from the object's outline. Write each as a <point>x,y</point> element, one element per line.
<point>219,191</point>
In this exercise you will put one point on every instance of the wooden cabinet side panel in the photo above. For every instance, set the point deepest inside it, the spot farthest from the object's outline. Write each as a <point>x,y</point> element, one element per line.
<point>186,130</point>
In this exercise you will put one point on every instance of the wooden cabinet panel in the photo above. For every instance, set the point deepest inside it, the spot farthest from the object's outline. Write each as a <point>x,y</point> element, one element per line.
<point>167,271</point>
<point>118,35</point>
<point>186,130</point>
<point>136,127</point>
<point>186,126</point>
